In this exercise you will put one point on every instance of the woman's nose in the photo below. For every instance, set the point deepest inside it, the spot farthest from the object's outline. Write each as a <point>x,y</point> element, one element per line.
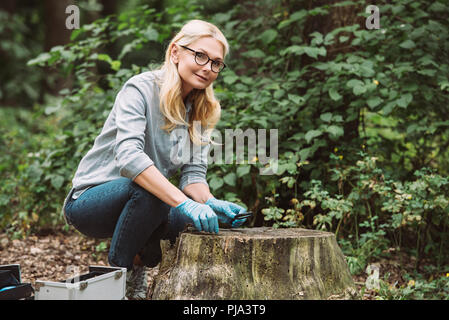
<point>207,67</point>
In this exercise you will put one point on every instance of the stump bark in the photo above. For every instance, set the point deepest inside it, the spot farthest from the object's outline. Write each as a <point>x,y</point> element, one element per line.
<point>253,263</point>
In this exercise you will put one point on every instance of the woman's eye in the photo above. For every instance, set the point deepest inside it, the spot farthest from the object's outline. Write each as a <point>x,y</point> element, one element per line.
<point>201,56</point>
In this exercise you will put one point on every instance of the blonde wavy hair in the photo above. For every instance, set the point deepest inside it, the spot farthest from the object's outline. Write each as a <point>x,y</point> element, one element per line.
<point>205,107</point>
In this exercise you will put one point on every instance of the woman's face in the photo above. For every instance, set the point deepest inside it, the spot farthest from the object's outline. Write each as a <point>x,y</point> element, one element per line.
<point>194,76</point>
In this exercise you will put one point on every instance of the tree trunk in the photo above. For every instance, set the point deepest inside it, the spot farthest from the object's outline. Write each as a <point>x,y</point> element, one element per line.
<point>8,5</point>
<point>253,263</point>
<point>56,33</point>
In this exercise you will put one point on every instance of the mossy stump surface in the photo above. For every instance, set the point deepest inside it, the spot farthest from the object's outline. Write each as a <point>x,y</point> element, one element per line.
<point>253,263</point>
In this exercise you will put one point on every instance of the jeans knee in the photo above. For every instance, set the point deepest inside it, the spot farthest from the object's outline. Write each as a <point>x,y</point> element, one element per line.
<point>141,194</point>
<point>115,261</point>
<point>148,200</point>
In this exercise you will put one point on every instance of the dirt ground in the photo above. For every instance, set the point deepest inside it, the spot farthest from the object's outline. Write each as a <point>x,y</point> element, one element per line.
<point>59,256</point>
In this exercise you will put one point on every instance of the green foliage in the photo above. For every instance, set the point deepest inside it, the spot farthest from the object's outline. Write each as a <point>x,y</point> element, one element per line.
<point>26,139</point>
<point>321,92</point>
<point>417,288</point>
<point>334,93</point>
<point>19,41</point>
<point>377,211</point>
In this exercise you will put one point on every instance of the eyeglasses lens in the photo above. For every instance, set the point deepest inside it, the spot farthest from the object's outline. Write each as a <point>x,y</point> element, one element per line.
<point>202,59</point>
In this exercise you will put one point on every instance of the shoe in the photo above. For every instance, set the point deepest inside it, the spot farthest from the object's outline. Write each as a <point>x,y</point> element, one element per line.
<point>136,283</point>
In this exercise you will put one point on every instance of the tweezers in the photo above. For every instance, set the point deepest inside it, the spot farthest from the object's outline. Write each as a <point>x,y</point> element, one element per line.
<point>243,215</point>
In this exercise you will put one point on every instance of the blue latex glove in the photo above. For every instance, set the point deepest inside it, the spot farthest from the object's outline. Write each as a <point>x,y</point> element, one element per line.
<point>203,217</point>
<point>226,211</point>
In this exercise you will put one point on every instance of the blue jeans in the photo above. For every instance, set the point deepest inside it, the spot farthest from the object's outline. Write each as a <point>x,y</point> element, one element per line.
<point>135,219</point>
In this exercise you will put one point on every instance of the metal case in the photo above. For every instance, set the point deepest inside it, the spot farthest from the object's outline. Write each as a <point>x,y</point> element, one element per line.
<point>101,283</point>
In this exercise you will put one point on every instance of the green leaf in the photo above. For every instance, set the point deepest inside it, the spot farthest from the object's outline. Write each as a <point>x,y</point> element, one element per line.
<point>314,52</point>
<point>444,84</point>
<point>40,59</point>
<point>151,34</point>
<point>262,122</point>
<point>35,173</point>
<point>104,57</point>
<point>354,82</point>
<point>298,15</point>
<point>397,9</point>
<point>438,7</point>
<point>278,94</point>
<point>51,109</point>
<point>337,118</point>
<point>75,33</point>
<point>281,169</point>
<point>428,72</point>
<point>298,50</point>
<point>335,131</point>
<point>122,26</point>
<point>388,108</point>
<point>366,69</point>
<point>230,79</point>
<point>329,39</point>
<point>359,89</point>
<point>304,154</point>
<point>322,65</point>
<point>407,44</point>
<point>405,100</point>
<point>115,65</point>
<point>333,93</point>
<point>317,38</point>
<point>374,102</point>
<point>243,170</point>
<point>268,36</point>
<point>296,99</point>
<point>216,183</point>
<point>126,48</point>
<point>343,38</point>
<point>312,134</point>
<point>57,182</point>
<point>256,54</point>
<point>326,117</point>
<point>230,179</point>
<point>318,11</point>
<point>413,128</point>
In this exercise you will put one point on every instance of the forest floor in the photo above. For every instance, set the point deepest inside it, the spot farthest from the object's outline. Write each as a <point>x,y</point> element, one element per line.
<point>59,256</point>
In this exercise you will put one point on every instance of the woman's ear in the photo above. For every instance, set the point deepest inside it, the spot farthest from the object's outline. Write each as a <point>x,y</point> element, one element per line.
<point>174,54</point>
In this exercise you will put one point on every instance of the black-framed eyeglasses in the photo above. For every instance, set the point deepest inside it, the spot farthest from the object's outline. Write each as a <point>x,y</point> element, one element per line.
<point>202,59</point>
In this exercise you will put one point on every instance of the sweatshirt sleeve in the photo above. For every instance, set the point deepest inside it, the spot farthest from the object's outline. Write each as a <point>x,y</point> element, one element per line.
<point>130,139</point>
<point>195,170</point>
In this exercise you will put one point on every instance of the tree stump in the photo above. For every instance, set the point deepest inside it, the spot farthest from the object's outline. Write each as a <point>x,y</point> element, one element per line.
<point>253,263</point>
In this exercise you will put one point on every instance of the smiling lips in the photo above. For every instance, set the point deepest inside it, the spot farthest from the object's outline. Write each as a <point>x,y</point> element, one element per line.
<point>202,78</point>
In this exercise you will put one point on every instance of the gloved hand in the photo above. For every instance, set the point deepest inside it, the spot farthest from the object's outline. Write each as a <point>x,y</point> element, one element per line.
<point>226,211</point>
<point>203,217</point>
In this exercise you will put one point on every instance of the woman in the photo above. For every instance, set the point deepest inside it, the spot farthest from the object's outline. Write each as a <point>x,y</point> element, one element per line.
<point>120,188</point>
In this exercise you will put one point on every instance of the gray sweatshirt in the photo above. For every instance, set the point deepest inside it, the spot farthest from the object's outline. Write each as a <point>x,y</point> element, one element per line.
<point>132,140</point>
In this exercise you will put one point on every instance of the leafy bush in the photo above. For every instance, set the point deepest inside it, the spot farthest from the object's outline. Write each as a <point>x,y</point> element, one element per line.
<point>336,92</point>
<point>377,213</point>
<point>25,140</point>
<point>417,288</point>
<point>19,42</point>
<point>325,96</point>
